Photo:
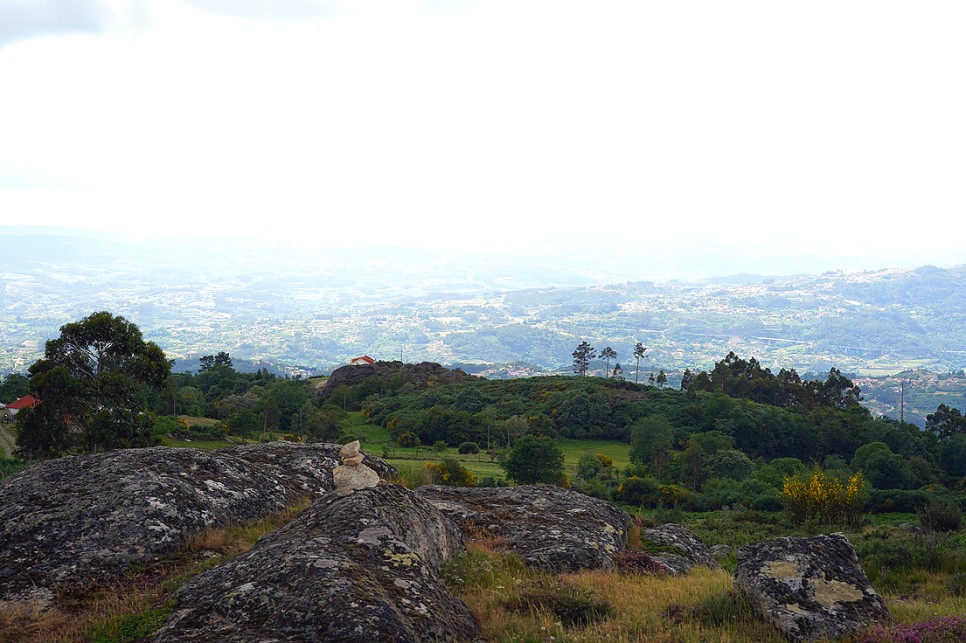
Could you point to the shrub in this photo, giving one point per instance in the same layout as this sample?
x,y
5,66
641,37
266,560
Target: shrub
x,y
570,605
347,438
639,491
467,448
889,500
823,497
672,494
450,472
940,515
408,440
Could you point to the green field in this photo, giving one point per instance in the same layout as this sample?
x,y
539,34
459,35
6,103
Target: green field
x,y
376,441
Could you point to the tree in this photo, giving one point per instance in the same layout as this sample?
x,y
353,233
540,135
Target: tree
x,y
90,386
639,350
946,422
582,356
651,441
881,467
661,379
618,373
209,362
14,387
607,355
534,459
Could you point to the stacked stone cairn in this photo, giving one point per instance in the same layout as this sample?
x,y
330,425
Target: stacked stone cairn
x,y
353,474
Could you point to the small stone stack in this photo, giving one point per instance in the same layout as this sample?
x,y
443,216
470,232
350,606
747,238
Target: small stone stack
x,y
353,474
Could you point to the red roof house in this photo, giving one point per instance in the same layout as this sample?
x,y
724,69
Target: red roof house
x,y
365,359
26,402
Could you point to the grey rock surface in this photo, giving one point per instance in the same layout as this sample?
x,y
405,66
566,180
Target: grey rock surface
x,y
548,527
693,551
809,588
79,520
305,466
721,551
358,567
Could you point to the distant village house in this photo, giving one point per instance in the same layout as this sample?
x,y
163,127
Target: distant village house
x,y
359,361
26,402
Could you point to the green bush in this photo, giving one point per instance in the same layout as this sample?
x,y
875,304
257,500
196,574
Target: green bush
x,y
639,492
467,448
940,515
896,500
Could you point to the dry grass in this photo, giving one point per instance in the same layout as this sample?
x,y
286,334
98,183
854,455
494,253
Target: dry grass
x,y
701,606
140,602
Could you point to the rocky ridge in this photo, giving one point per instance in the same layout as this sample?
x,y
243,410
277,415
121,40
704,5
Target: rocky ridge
x,y
79,520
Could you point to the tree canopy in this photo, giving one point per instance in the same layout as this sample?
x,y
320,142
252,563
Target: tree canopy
x,y
90,385
533,459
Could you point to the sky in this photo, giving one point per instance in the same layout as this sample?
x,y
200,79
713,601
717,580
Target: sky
x,y
748,131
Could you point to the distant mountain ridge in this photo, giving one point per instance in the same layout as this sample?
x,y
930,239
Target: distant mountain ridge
x,y
320,312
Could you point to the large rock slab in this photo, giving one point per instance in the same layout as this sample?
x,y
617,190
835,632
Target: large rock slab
x,y
303,466
358,567
809,588
548,527
693,551
85,519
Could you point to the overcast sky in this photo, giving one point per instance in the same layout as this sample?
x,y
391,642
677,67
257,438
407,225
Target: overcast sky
x,y
832,129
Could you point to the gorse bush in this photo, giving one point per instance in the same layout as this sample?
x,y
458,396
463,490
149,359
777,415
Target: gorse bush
x,y
824,497
450,472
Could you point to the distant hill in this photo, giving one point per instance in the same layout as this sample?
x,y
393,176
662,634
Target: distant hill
x,y
488,314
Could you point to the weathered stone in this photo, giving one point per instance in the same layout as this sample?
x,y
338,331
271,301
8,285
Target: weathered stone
x,y
85,519
548,527
349,478
350,450
809,588
693,551
720,552
361,567
307,466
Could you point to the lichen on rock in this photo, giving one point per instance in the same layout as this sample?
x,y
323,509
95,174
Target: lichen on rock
x,y
358,567
548,527
809,588
692,550
85,519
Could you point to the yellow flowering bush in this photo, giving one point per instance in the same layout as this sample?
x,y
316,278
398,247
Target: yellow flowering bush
x,y
824,497
450,472
672,494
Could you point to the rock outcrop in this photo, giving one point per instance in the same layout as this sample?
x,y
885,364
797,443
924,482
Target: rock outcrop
x,y
548,527
356,567
85,519
307,467
809,588
693,551
418,376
